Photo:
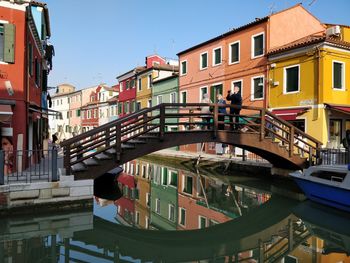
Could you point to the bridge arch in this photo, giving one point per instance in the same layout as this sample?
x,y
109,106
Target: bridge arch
x,y
97,151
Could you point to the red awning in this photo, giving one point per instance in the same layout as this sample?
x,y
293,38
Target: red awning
x,y
289,114
339,108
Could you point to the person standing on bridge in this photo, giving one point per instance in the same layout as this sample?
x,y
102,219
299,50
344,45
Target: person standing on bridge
x,y
222,112
205,110
236,100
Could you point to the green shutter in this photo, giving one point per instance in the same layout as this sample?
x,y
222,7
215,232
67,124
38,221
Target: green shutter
x,y
9,43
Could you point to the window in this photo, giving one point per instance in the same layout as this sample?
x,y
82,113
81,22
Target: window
x,y
137,218
138,106
132,106
202,222
173,97
203,90
67,114
204,60
121,87
258,45
338,75
37,73
183,96
159,99
127,85
234,52
173,178
132,83
139,84
126,107
182,219
188,183
164,176
257,88
30,59
148,199
149,82
239,84
149,103
217,56
171,213
120,108
157,209
291,79
7,43
184,67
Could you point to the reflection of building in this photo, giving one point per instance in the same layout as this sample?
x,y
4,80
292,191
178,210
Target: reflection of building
x,y
164,198
142,172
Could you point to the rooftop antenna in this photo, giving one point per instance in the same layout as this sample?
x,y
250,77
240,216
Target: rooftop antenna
x,y
272,7
312,2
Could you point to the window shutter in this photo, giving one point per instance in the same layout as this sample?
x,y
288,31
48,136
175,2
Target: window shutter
x,y
9,43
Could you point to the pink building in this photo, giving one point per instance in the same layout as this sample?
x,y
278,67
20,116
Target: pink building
x,y
238,58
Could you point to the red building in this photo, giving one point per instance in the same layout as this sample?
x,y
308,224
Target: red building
x,y
89,112
24,68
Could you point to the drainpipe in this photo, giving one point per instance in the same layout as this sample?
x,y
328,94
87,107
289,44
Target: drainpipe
x,y
26,77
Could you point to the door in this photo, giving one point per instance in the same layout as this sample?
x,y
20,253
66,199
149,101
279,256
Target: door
x,y
335,134
214,91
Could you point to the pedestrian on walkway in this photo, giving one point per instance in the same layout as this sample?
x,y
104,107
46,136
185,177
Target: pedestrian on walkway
x,y
222,112
236,100
205,110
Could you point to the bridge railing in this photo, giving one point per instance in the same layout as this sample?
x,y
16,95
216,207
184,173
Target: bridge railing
x,y
180,117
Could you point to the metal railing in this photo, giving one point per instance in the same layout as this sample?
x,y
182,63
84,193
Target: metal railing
x,y
27,166
334,156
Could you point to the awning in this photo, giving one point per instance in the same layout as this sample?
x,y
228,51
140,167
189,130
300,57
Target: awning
x,y
290,114
5,113
340,108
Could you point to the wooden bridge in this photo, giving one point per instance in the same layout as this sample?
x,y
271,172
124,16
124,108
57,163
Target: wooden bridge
x,y
97,151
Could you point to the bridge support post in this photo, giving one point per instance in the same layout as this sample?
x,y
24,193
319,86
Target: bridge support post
x,y
261,251
291,141
145,122
2,167
66,159
262,127
118,141
54,173
107,133
215,121
290,235
161,121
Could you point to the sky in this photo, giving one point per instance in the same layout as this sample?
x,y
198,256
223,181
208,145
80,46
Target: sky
x,y
95,41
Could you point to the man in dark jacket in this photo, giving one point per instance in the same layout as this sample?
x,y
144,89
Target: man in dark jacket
x,y
236,99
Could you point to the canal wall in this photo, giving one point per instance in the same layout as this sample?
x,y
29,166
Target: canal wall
x,y
21,198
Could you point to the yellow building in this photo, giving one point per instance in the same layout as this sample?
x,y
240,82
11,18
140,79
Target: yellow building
x,y
145,82
309,82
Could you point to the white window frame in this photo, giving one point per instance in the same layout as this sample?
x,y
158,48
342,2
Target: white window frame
x,y
343,75
181,100
230,52
149,103
253,45
201,60
157,206
148,81
148,197
180,216
213,57
201,93
285,79
159,98
199,222
173,95
169,209
252,88
139,84
237,80
181,67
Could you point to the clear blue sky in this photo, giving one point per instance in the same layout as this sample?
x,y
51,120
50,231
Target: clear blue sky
x,y
97,40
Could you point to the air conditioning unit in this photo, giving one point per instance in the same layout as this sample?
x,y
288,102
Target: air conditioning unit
x,y
333,31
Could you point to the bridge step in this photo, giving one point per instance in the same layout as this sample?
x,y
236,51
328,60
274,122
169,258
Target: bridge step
x,y
134,141
78,167
90,162
102,156
111,151
128,146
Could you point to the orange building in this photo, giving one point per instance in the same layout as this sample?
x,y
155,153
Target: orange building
x,y
238,57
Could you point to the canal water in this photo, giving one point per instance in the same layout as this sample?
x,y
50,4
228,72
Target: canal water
x,y
167,214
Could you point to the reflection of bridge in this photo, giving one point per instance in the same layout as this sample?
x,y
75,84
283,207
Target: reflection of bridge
x,y
166,125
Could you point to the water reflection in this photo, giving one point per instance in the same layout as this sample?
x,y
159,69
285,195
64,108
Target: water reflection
x,y
247,225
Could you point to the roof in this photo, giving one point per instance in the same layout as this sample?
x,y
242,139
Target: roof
x,y
165,67
167,78
309,40
46,14
255,22
135,70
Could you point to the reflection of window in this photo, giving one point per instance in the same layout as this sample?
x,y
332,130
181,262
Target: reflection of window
x,y
137,218
188,183
300,124
148,199
335,133
173,97
171,215
164,176
183,96
182,219
202,222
